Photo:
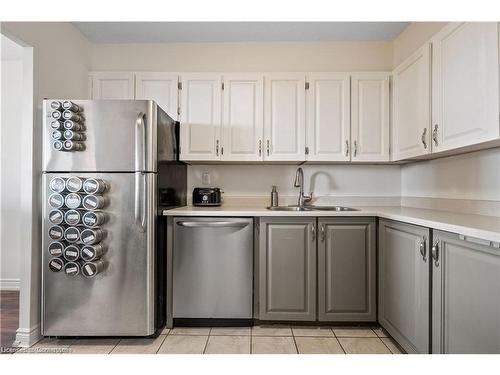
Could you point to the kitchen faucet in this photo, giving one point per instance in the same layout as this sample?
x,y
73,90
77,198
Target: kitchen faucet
x,y
299,182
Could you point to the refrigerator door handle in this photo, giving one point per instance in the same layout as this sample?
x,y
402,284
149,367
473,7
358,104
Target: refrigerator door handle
x,y
140,200
140,144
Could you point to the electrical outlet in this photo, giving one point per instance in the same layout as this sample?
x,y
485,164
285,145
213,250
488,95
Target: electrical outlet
x,y
205,178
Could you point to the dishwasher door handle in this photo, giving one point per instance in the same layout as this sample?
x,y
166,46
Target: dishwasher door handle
x,y
213,224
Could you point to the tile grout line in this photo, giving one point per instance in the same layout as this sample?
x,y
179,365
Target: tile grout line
x,y
161,344
380,338
294,341
337,338
206,342
114,347
251,340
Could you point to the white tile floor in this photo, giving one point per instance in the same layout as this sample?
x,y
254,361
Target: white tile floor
x,y
272,339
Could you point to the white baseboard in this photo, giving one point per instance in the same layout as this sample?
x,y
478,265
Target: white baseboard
x,y
9,284
27,337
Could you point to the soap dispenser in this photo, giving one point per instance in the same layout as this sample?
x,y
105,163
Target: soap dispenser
x,y
274,197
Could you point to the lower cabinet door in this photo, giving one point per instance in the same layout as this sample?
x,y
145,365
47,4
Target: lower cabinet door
x,y
346,269
287,269
465,295
404,275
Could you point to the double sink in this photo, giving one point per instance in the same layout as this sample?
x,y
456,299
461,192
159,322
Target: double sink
x,y
311,208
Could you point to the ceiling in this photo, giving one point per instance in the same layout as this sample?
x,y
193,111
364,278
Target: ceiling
x,y
186,32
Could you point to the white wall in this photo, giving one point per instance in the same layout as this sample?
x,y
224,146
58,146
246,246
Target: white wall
x,y
473,176
10,165
413,37
323,180
60,66
335,56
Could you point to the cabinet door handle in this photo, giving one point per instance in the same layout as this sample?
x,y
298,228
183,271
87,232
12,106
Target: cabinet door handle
x,y
268,147
424,138
346,147
435,253
423,249
313,232
217,147
435,134
355,148
322,232
260,147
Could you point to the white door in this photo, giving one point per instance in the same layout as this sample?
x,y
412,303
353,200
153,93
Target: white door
x,y
284,117
370,117
160,87
328,123
243,117
201,97
411,106
112,85
465,85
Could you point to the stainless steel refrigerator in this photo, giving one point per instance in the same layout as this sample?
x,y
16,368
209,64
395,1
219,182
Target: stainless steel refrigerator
x,y
109,168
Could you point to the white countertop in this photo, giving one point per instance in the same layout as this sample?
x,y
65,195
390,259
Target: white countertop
x,y
478,226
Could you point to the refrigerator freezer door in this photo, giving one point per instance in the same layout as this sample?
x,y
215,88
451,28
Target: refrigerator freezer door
x,y
118,136
120,300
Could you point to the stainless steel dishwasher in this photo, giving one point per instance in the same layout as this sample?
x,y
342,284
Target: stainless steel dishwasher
x,y
212,268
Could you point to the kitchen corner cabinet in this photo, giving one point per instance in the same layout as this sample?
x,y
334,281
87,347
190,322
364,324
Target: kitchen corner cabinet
x,y
465,90
328,122
160,87
404,275
411,106
243,117
112,85
370,117
465,295
287,268
284,117
201,110
347,269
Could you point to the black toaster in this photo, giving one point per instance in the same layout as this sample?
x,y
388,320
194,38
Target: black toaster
x,y
207,196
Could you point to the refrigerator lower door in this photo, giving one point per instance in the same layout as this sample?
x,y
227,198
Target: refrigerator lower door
x,y
120,300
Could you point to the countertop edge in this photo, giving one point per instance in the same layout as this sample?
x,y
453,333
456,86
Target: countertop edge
x,y
382,212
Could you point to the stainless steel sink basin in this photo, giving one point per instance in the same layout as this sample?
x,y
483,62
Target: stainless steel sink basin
x,y
311,208
289,208
332,208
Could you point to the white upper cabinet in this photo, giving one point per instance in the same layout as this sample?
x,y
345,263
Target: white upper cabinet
x,y
243,117
201,106
160,87
112,85
465,91
370,117
284,117
328,122
411,106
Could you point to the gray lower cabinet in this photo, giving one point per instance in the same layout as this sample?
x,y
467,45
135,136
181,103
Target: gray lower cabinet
x,y
287,268
404,290
346,269
465,295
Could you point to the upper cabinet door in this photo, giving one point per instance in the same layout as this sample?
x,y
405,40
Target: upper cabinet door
x,y
201,97
243,117
465,85
328,126
160,87
411,106
284,121
112,85
370,117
